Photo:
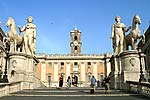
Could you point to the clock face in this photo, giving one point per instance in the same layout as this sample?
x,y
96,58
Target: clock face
x,y
75,43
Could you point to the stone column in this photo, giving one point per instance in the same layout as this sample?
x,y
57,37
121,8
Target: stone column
x,y
83,71
55,72
43,72
95,70
67,70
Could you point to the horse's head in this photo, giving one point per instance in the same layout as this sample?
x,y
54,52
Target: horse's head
x,y
9,21
136,19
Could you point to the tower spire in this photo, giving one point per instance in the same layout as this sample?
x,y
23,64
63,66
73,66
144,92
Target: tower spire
x,y
75,42
75,27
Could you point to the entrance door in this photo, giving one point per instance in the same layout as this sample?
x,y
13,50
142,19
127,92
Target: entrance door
x,y
49,80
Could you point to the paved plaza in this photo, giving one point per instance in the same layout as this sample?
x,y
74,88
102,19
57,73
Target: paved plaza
x,y
71,94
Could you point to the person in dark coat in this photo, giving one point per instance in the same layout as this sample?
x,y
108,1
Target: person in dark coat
x,y
106,82
76,80
61,81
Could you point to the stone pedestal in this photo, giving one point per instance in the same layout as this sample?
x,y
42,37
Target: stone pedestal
x,y
126,67
116,73
130,64
24,67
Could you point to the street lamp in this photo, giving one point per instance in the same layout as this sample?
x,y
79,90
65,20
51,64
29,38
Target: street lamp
x,y
5,78
1,72
142,78
105,64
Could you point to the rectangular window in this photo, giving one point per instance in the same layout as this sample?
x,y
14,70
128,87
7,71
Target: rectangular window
x,y
49,64
43,62
75,63
101,64
89,63
62,63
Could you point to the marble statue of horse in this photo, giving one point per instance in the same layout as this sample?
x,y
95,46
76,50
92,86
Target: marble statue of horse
x,y
12,34
135,34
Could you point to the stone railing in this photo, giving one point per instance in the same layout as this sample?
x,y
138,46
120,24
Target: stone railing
x,y
142,88
70,55
7,88
37,82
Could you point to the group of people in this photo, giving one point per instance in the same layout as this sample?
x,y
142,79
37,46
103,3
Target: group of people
x,y
69,82
105,83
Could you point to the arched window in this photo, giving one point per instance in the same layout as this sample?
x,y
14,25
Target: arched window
x,y
75,48
75,38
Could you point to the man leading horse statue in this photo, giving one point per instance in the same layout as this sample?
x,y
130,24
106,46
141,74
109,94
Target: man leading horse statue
x,y
121,42
27,42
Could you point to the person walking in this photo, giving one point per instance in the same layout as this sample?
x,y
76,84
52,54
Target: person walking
x,y
93,82
98,83
106,82
68,83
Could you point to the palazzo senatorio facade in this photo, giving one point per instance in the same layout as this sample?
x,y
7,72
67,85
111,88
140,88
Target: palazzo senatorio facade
x,y
84,66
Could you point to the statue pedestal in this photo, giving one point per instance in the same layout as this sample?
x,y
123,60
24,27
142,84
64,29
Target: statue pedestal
x,y
116,73
24,67
126,67
130,64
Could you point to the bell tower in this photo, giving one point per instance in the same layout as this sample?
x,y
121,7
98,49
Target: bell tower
x,y
75,43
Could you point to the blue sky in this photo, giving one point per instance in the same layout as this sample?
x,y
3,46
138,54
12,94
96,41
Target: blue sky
x,y
56,18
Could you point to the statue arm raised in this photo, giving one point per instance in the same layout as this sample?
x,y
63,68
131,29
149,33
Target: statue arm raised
x,y
124,28
21,29
128,28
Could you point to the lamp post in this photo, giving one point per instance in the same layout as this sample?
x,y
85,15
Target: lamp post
x,y
5,78
105,64
142,78
1,72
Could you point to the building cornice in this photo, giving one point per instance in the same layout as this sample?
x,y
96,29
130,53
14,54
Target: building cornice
x,y
71,57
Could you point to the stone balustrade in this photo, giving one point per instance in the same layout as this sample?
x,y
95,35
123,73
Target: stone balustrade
x,y
142,88
7,88
70,55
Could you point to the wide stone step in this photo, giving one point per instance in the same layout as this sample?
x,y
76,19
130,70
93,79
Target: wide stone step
x,y
71,92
